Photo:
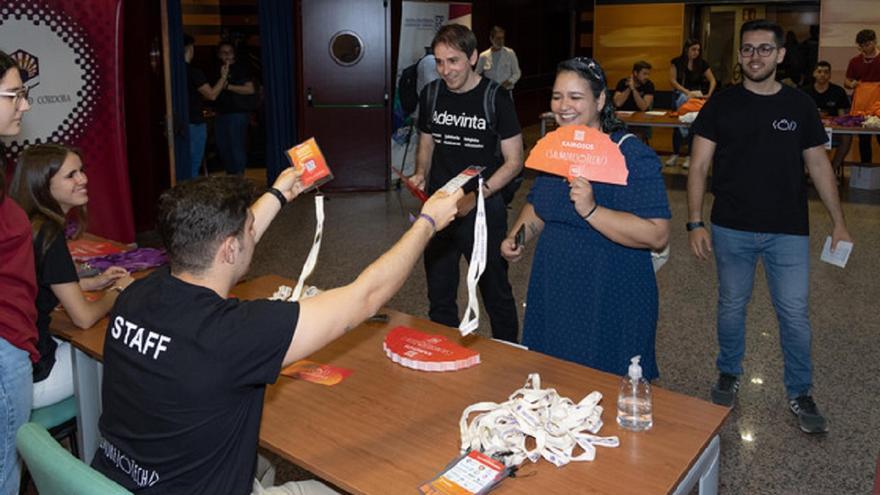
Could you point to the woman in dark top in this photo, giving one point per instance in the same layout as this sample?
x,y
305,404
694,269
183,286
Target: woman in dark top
x,y
49,183
690,77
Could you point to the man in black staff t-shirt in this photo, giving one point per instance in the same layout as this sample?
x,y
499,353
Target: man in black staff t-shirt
x,y
455,135
831,101
186,366
759,136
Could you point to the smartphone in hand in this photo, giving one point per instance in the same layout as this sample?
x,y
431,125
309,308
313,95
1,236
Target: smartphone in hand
x,y
520,237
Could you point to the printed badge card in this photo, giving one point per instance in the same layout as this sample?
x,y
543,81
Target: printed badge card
x,y
308,160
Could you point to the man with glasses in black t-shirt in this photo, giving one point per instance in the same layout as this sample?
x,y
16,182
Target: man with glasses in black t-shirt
x,y
758,137
831,100
186,365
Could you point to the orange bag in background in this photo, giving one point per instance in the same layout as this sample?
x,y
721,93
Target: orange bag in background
x,y
866,99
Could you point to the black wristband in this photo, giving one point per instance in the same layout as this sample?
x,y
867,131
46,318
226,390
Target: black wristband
x,y
279,195
694,225
590,214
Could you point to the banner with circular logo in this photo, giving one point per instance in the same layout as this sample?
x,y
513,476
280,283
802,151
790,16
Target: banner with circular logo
x,y
69,55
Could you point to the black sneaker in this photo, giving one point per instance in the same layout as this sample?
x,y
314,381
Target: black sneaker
x,y
809,417
724,392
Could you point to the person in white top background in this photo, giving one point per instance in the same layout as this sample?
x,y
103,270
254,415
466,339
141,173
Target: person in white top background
x,y
499,63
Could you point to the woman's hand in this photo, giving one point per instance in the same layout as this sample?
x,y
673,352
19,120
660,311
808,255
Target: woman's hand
x,y
510,251
104,279
123,282
582,196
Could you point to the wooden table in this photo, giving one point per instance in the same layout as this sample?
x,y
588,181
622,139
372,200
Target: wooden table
x,y
386,429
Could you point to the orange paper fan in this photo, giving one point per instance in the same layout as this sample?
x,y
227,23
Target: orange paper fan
x,y
579,151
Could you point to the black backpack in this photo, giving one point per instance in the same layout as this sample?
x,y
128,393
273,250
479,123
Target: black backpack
x,y
407,88
433,89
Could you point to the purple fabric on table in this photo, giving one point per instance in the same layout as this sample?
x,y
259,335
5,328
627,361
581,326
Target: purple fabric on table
x,y
134,260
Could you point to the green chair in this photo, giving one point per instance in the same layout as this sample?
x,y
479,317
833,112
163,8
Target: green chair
x,y
55,471
60,420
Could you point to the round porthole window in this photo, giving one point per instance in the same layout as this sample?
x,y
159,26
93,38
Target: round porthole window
x,y
346,48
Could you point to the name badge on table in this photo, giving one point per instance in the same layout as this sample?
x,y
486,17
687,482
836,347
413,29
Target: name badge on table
x,y
474,473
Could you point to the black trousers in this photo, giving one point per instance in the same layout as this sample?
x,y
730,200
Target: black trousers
x,y
442,258
865,147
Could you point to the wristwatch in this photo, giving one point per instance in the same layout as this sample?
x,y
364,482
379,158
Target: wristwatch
x,y
694,225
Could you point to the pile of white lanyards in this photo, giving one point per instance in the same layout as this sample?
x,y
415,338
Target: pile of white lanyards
x,y
556,424
285,293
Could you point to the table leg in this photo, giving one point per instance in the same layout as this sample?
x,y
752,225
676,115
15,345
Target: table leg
x,y
705,470
87,374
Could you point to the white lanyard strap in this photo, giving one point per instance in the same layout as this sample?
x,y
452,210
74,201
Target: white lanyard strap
x,y
471,319
309,265
556,424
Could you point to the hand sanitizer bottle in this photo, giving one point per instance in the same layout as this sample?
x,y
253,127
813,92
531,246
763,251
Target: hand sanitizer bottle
x,y
634,410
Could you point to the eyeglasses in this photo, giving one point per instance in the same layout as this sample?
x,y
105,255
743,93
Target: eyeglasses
x,y
763,50
17,96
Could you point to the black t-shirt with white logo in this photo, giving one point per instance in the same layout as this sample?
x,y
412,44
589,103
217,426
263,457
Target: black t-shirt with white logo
x,y
830,102
758,168
462,133
630,104
184,377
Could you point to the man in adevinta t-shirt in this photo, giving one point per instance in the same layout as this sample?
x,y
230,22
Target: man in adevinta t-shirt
x,y
759,136
186,365
455,132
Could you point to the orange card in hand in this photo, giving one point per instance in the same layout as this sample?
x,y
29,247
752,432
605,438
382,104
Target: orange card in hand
x,y
579,151
308,160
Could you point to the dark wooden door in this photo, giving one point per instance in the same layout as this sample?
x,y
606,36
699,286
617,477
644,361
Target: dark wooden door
x,y
345,74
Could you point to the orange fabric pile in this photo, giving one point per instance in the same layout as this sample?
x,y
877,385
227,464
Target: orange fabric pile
x,y
866,99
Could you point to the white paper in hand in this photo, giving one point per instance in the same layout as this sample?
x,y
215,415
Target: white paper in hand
x,y
839,256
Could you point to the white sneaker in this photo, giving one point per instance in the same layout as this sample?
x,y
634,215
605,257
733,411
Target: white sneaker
x,y
687,163
670,162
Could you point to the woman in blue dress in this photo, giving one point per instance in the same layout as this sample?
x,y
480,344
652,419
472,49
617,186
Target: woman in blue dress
x,y
592,295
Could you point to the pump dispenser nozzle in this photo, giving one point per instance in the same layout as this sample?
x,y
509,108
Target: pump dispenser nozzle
x,y
635,370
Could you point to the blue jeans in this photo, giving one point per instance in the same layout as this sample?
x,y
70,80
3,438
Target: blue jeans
x,y
16,395
198,134
787,267
679,135
230,134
